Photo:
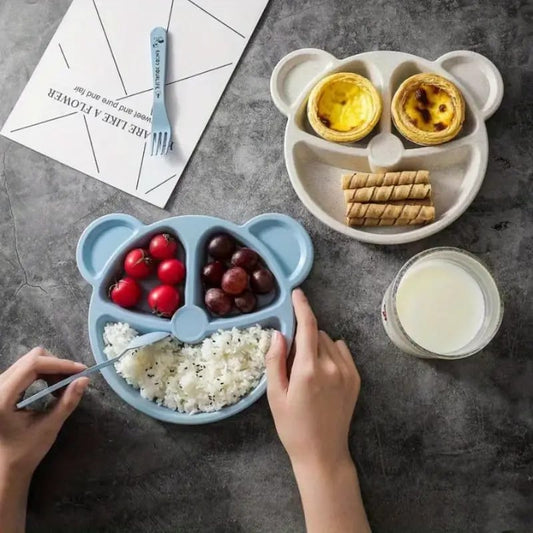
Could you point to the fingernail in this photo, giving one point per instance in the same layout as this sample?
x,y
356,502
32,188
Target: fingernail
x,y
300,293
81,385
274,338
80,365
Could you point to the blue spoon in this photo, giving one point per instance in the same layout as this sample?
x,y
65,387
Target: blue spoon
x,y
136,343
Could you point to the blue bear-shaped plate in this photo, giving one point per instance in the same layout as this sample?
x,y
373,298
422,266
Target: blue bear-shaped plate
x,y
282,243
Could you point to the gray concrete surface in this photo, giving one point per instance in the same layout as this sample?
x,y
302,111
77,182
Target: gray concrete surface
x,y
440,447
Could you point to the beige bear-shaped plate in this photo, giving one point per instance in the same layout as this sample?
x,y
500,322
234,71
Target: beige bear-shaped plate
x,y
315,166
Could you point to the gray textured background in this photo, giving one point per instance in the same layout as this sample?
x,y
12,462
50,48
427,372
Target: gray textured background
x,y
440,447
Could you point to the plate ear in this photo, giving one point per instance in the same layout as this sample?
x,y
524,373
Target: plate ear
x,y
287,241
478,75
294,72
100,240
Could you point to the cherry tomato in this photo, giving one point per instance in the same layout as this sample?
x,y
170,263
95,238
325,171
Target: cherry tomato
x,y
138,264
164,300
171,271
125,292
163,246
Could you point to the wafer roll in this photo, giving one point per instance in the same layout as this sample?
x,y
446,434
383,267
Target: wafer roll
x,y
358,180
425,201
409,212
372,222
387,193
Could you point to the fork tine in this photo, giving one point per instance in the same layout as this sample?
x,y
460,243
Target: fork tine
x,y
154,135
160,143
158,146
162,147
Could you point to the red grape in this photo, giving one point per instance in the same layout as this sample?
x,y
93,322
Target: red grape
x,y
213,272
218,302
262,281
221,246
234,280
246,302
245,258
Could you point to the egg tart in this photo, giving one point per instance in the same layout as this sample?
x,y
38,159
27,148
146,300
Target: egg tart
x,y
428,109
344,107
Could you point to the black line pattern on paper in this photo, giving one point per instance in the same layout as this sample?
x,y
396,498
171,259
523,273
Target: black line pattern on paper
x,y
200,73
216,18
110,49
63,54
140,169
44,121
159,185
170,15
91,143
176,81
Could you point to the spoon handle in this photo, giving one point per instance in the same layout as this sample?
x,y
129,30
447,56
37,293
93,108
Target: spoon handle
x,y
66,381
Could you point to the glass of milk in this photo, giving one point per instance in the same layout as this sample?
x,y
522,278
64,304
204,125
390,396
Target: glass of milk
x,y
443,304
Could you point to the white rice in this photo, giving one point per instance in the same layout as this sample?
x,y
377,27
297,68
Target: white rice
x,y
192,378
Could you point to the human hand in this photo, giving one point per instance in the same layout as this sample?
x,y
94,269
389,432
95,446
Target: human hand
x,y
312,405
312,409
25,435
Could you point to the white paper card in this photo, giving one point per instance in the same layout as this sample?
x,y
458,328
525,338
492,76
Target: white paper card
x,y
89,100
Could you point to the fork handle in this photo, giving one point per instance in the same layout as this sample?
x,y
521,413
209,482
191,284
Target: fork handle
x,y
64,382
158,39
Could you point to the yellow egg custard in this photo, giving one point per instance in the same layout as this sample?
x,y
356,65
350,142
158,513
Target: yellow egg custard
x,y
428,109
344,107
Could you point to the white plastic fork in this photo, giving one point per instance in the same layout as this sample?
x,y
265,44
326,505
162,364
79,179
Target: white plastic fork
x,y
161,130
